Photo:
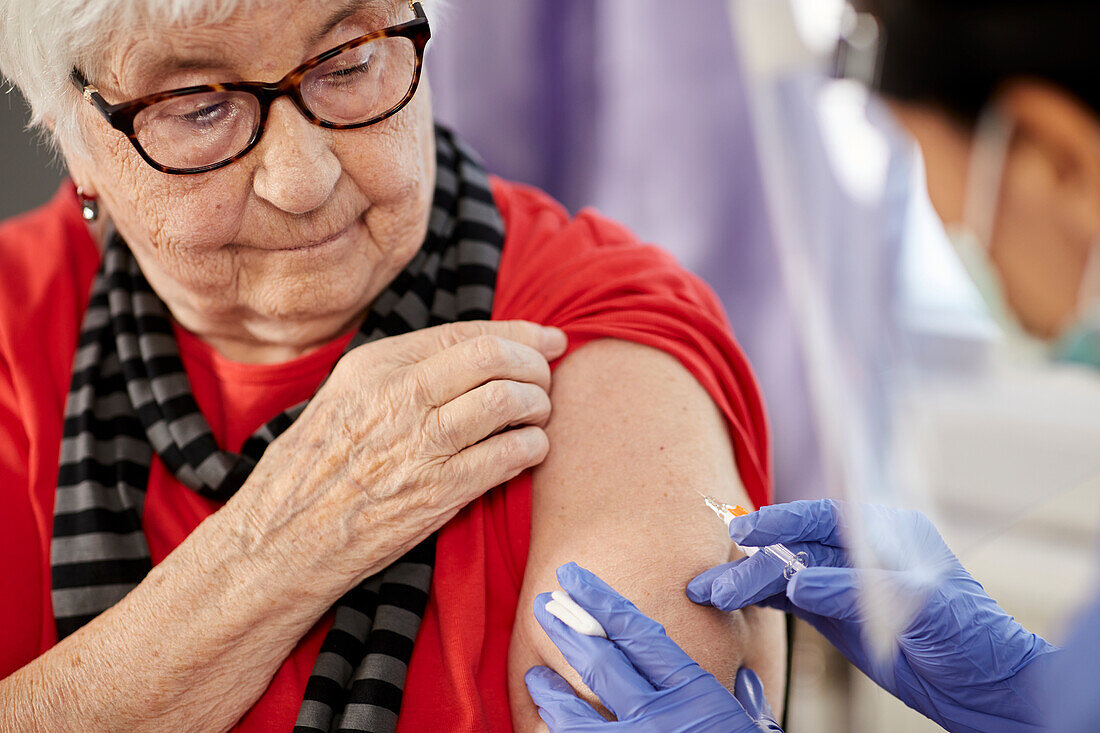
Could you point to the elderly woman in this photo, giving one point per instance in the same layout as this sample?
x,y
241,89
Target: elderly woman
x,y
263,360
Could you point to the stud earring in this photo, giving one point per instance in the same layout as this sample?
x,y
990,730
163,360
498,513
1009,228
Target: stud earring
x,y
89,205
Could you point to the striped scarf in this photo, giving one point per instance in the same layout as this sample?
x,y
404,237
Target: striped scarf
x,y
130,398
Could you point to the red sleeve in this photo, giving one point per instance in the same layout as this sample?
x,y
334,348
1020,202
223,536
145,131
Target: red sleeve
x,y
20,580
592,278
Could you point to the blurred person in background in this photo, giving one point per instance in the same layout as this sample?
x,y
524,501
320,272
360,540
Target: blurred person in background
x,y
253,401
1002,100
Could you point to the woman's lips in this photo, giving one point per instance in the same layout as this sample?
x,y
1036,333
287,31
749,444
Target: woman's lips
x,y
322,243
311,246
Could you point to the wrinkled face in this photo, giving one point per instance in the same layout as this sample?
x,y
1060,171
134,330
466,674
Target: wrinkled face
x,y
290,244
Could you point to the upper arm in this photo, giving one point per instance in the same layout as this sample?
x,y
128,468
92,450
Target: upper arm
x,y
633,437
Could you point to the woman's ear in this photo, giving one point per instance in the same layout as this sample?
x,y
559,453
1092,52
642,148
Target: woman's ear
x,y
1062,136
79,172
79,166
1049,211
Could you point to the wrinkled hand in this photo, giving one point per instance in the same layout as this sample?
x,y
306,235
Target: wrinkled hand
x,y
405,432
960,659
638,672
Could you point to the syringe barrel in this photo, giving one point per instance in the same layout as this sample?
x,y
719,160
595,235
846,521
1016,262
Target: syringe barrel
x,y
792,562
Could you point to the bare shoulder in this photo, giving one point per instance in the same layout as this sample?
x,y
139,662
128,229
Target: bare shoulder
x,y
633,437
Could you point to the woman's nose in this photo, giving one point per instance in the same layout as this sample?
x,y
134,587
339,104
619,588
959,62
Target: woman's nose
x,y
298,169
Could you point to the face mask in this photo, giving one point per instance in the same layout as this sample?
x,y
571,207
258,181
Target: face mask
x,y
1080,343
972,238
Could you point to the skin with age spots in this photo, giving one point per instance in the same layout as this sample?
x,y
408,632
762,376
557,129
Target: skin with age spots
x,y
286,248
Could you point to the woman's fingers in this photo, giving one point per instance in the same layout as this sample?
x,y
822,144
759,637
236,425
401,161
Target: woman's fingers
x,y
496,460
452,372
420,345
487,410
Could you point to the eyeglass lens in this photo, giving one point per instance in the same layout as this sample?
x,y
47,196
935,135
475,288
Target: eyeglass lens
x,y
206,128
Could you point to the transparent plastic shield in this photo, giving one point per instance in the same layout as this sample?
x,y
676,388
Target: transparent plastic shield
x,y
916,402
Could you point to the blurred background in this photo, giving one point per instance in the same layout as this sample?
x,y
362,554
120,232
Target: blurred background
x,y
28,172
722,132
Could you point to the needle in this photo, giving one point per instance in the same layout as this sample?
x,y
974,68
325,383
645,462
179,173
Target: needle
x,y
792,562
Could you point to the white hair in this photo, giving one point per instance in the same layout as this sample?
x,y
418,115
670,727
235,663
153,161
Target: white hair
x,y
41,41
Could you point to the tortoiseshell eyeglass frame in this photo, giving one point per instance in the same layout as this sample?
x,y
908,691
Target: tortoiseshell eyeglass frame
x,y
121,116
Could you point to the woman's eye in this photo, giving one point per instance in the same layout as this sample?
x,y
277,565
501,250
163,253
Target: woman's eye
x,y
350,73
208,113
197,112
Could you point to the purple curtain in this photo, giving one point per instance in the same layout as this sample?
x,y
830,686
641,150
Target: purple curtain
x,y
638,110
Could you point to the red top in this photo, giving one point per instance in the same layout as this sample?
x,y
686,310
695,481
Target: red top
x,y
587,275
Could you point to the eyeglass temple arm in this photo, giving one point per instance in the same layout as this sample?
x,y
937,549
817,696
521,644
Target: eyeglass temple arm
x,y
90,93
417,9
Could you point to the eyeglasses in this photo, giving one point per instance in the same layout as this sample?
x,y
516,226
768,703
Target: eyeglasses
x,y
201,128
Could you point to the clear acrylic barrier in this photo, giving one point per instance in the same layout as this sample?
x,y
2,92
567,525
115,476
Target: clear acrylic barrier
x,y
917,402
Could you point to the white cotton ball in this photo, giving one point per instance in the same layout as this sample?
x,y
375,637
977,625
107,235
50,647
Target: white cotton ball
x,y
566,610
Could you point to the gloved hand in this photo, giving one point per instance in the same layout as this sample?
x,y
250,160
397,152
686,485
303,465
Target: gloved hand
x,y
1071,690
640,674
959,659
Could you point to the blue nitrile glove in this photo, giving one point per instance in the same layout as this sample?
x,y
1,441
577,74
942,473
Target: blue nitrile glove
x,y
961,660
640,674
1074,705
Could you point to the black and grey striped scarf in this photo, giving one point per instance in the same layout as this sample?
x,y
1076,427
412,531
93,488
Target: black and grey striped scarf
x,y
130,398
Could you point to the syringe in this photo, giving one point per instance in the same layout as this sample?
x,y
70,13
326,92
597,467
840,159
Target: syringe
x,y
792,561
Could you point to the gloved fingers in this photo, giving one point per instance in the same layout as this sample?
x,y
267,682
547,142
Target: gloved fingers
x,y
754,581
796,521
698,588
900,539
749,691
820,555
559,706
602,666
641,639
843,593
831,592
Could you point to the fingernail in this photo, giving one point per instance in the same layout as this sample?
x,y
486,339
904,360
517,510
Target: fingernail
x,y
553,339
